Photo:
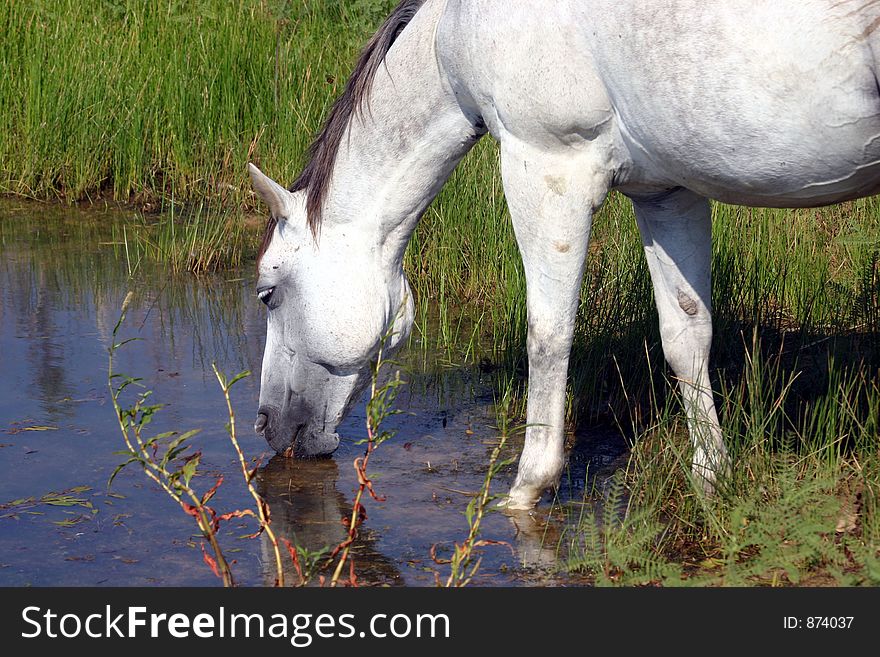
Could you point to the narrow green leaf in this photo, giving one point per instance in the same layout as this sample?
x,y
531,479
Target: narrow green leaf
x,y
118,469
238,377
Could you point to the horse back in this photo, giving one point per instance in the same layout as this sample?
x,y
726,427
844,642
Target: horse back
x,y
743,101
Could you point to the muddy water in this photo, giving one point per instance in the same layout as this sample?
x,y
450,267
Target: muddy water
x,y
63,275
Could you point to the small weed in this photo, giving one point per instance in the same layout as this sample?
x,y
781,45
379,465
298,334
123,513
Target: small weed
x,y
169,460
379,408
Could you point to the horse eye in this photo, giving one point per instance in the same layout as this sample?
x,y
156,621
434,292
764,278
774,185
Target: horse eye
x,y
265,294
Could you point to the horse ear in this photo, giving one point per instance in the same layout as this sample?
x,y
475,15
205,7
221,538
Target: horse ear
x,y
276,197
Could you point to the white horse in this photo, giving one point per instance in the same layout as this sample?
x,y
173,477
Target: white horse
x,y
671,102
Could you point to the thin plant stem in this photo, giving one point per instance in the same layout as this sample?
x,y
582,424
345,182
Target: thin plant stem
x,y
262,506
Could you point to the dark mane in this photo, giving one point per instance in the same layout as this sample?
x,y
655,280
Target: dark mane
x,y
315,177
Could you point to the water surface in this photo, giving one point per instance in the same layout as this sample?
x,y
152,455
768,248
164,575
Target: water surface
x,y
63,275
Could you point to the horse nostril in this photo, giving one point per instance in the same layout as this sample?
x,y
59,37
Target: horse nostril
x,y
261,422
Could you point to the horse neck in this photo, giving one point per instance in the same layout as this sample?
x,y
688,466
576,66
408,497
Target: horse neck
x,y
397,154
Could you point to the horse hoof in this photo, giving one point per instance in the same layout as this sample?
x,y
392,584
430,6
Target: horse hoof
x,y
516,501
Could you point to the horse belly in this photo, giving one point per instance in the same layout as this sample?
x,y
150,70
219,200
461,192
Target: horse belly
x,y
777,105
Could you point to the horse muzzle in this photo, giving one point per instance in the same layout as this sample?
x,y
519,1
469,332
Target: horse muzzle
x,y
298,440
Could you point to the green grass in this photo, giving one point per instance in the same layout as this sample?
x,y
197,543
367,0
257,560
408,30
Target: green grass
x,y
800,513
201,240
165,103
165,98
162,104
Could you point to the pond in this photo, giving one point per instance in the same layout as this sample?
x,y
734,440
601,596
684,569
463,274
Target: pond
x,y
63,275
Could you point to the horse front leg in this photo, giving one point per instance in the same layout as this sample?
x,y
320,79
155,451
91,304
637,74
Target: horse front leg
x,y
552,197
677,235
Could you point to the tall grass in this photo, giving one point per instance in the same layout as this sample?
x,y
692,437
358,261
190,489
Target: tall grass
x,y
136,99
800,508
197,240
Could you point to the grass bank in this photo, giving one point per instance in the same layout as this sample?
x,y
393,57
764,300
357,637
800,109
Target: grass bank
x,y
161,100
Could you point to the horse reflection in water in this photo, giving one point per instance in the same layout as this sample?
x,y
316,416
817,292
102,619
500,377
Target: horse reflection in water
x,y
307,509
308,505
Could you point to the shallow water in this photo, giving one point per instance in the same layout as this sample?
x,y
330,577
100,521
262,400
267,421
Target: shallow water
x,y
63,276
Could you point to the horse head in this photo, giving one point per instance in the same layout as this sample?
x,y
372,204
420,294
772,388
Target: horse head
x,y
329,307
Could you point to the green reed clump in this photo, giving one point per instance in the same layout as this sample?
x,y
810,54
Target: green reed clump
x,y
146,100
197,241
799,508
164,103
170,460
